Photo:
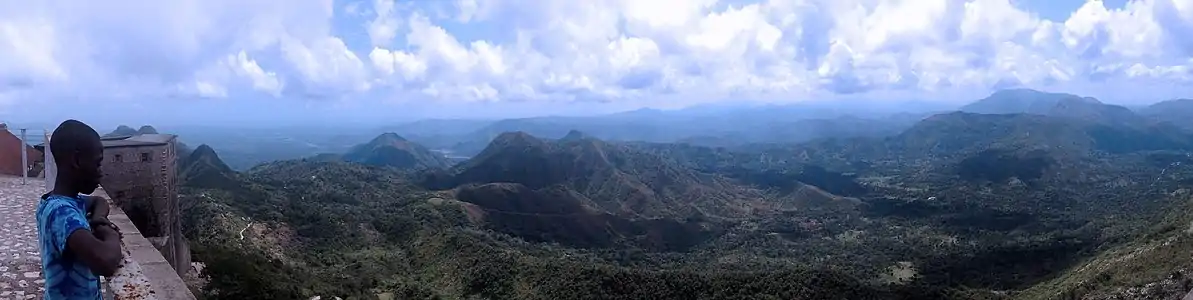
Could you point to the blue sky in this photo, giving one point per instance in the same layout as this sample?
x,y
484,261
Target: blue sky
x,y
377,61
1060,10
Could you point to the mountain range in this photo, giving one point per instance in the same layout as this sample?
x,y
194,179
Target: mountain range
x,y
1020,195
725,128
730,126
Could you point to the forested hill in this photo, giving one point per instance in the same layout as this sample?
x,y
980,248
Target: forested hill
x,y
960,205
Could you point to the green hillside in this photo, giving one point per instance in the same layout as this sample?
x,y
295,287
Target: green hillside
x,y
960,205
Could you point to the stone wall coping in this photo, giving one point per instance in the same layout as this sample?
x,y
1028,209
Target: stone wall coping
x,y
144,273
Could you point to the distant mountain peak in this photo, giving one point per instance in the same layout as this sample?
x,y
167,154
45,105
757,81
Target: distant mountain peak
x,y
388,137
1027,101
204,149
1036,94
574,135
507,143
1018,92
516,138
206,154
391,150
1021,100
204,168
1079,100
122,130
147,130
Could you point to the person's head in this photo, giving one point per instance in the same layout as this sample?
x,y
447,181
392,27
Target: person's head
x,y
78,153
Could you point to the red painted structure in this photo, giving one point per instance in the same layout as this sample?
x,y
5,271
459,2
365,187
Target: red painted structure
x,y
10,153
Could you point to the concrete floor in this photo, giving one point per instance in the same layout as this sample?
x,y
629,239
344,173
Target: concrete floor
x,y
20,259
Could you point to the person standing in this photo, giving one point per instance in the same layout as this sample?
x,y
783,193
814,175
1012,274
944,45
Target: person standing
x,y
78,243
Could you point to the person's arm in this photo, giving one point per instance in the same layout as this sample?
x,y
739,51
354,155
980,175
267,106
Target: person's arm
x,y
98,248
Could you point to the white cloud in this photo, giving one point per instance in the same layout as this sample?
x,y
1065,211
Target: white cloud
x,y
649,52
384,26
325,63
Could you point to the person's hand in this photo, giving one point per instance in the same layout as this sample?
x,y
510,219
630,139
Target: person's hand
x,y
99,207
98,221
103,228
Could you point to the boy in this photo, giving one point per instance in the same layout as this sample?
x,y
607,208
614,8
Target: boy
x,y
78,244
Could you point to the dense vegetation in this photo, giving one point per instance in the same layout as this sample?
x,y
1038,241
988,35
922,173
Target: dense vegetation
x,y
1074,200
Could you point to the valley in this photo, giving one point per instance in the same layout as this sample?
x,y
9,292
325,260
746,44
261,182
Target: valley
x,y
597,150
1020,195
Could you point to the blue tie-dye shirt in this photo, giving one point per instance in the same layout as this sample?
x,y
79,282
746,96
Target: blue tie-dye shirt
x,y
66,276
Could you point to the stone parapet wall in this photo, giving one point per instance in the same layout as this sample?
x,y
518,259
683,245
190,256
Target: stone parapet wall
x,y
145,273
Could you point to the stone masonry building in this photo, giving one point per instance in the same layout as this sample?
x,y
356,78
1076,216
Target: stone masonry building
x,y
140,176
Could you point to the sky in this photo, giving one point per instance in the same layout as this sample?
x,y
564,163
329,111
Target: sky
x,y
324,61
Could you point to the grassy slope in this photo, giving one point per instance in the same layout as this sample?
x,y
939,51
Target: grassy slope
x,y
1156,264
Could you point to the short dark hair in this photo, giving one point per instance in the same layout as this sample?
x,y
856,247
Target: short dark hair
x,y
72,137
